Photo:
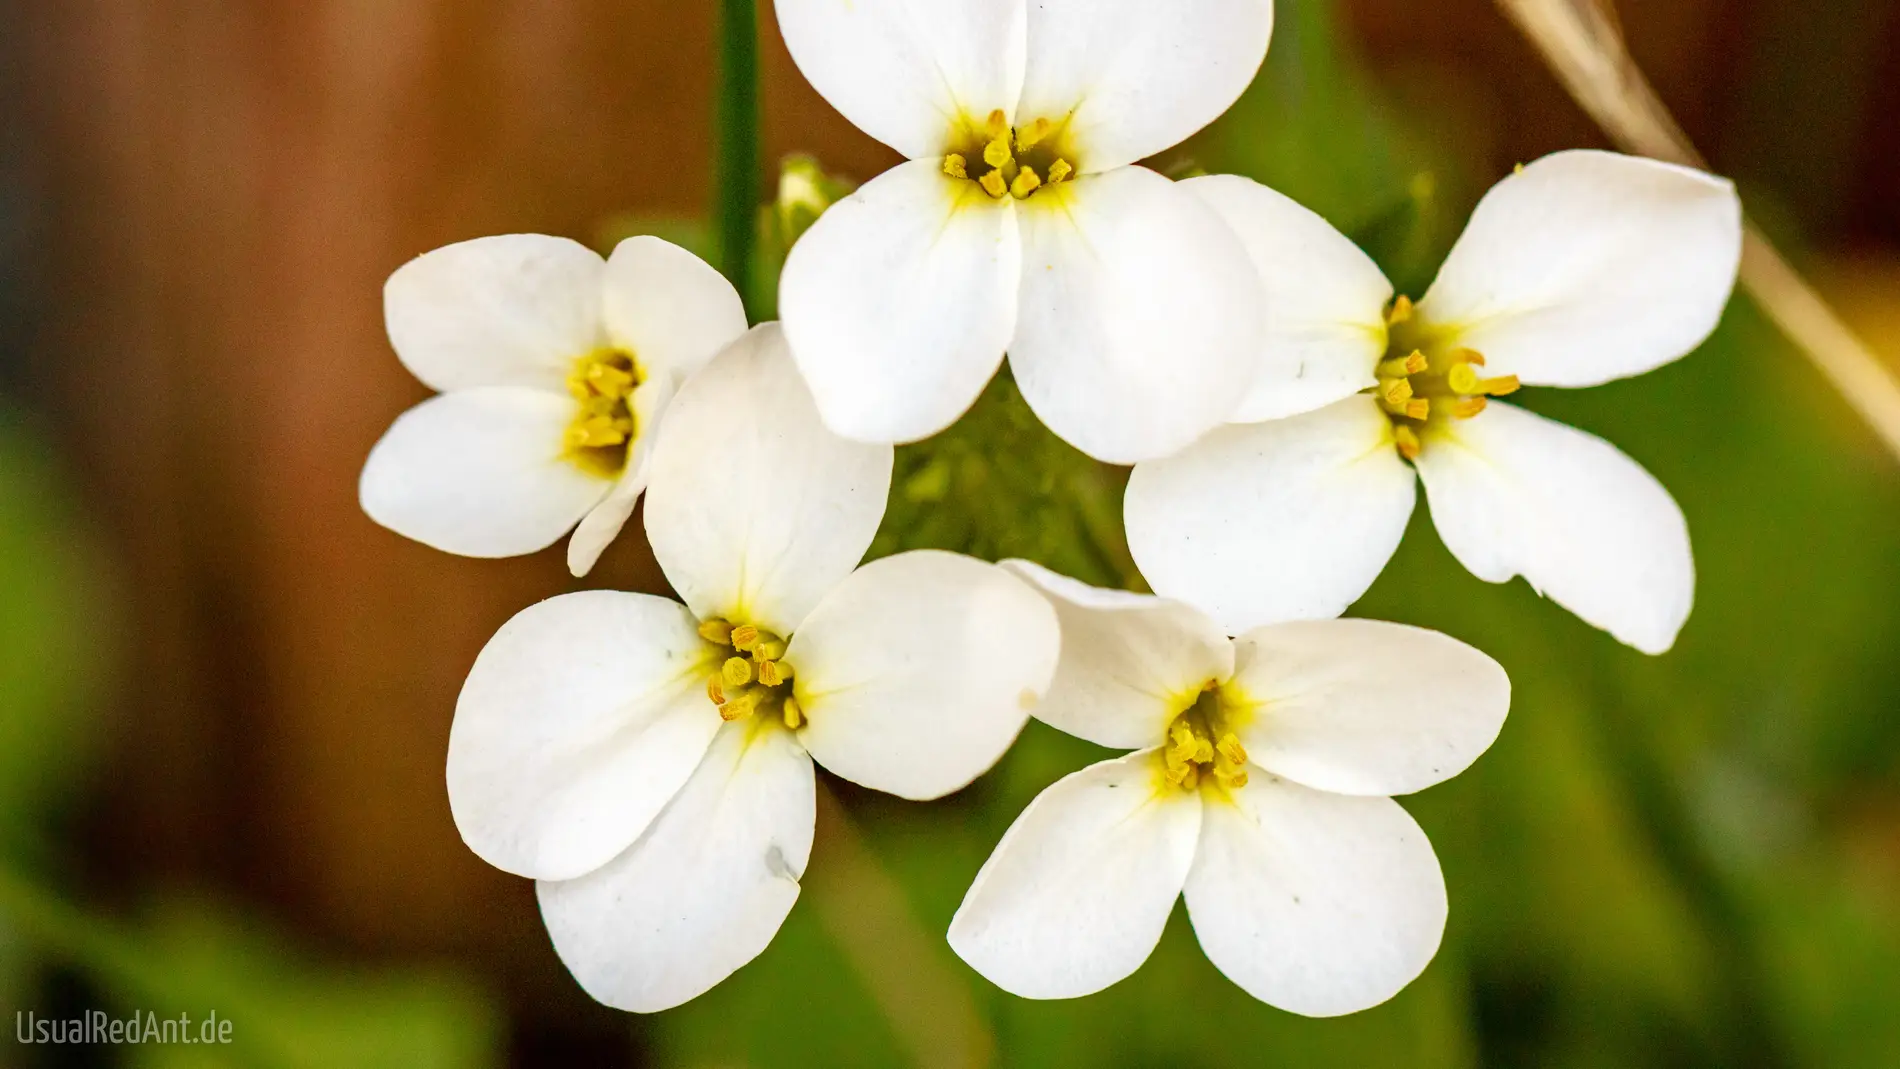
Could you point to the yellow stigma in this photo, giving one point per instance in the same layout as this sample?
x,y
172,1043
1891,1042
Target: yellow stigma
x,y
1201,744
753,676
1422,381
601,433
1005,162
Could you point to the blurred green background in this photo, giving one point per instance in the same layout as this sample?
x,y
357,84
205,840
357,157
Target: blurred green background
x,y
224,694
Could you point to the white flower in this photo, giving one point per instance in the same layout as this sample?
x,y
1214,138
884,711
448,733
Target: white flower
x,y
650,763
554,368
1128,312
1581,268
1260,792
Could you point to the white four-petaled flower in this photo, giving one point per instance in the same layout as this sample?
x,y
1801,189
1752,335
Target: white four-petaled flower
x,y
1581,268
1259,790
650,763
554,369
1128,311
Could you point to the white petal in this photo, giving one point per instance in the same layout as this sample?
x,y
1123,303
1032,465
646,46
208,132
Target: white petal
x,y
1513,493
900,301
1365,707
1139,76
1130,662
480,473
1140,315
918,671
1077,893
754,509
667,307
1325,300
515,310
704,890
907,71
1316,903
581,718
1268,522
1589,266
602,525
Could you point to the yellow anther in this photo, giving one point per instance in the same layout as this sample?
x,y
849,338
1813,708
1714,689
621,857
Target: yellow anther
x,y
741,706
794,715
1029,136
993,184
609,380
1469,356
736,672
1407,440
1500,386
956,166
1026,183
744,637
1232,779
1231,749
773,673
768,649
716,689
1059,171
998,126
1400,312
1395,392
1467,407
997,153
1418,408
1403,366
716,630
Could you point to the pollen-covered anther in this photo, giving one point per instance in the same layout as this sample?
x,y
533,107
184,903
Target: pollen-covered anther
x,y
741,705
1032,135
994,185
956,166
744,637
716,630
1060,171
1026,183
792,713
1395,392
1404,366
774,673
1468,407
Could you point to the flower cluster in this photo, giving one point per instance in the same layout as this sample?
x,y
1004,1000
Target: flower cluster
x,y
650,762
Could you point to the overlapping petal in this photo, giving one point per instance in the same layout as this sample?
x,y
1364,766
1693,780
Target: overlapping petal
x,y
579,721
1316,903
1130,662
511,310
1365,707
918,671
480,472
1139,321
1513,493
906,71
1590,266
704,890
900,301
754,509
1134,77
1324,330
1077,893
667,307
1269,522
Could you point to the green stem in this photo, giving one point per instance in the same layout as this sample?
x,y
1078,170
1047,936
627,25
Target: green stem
x,y
736,168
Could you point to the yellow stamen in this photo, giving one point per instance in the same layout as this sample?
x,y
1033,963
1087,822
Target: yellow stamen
x,y
1059,171
1026,183
1231,749
1029,136
1467,407
997,153
956,166
998,125
1500,386
1407,440
768,649
1403,366
715,630
1469,356
772,673
744,637
741,706
793,714
1395,391
994,185
715,689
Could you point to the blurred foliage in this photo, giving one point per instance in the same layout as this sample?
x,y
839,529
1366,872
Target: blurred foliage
x,y
1686,860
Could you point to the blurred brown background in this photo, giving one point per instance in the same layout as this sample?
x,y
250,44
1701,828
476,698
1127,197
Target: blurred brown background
x,y
223,187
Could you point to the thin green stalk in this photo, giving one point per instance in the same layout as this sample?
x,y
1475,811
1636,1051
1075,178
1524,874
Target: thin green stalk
x,y
736,168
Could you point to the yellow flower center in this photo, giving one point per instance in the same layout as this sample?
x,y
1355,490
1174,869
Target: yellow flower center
x,y
753,678
1201,744
1421,381
1007,162
603,430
